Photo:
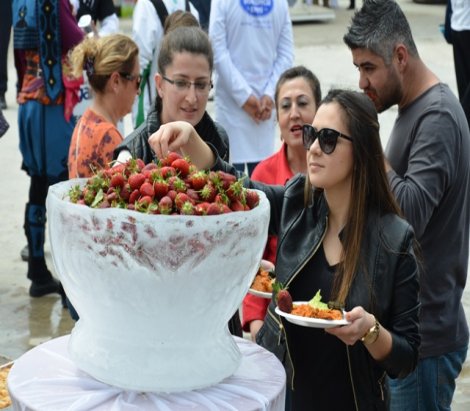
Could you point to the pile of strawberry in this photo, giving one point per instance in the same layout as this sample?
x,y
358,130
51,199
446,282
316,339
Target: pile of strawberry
x,y
171,186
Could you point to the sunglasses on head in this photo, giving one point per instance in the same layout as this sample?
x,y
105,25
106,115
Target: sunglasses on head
x,y
327,137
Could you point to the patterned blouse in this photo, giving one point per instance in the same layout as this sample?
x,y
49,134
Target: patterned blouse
x,y
93,142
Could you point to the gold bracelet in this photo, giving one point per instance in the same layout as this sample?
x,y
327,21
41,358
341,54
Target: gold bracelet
x,y
372,334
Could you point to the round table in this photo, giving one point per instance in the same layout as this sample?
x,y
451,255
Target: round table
x,y
46,379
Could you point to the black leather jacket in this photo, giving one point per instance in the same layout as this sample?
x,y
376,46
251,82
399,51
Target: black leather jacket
x,y
137,142
387,288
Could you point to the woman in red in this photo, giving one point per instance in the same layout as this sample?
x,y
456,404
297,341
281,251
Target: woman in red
x,y
297,97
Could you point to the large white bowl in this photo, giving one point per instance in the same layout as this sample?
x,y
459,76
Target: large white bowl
x,y
154,293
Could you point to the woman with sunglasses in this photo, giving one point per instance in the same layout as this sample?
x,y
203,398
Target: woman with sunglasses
x,y
112,66
183,81
296,98
340,232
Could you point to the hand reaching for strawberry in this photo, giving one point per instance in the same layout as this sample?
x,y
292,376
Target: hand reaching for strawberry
x,y
181,136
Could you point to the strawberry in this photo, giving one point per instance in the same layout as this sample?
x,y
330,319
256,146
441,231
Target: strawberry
x,y
167,171
192,194
161,188
198,180
226,179
187,208
208,193
252,198
172,156
182,166
134,196
150,167
117,180
165,205
214,209
236,192
177,184
283,297
180,199
201,208
146,189
236,205
136,180
125,192
140,164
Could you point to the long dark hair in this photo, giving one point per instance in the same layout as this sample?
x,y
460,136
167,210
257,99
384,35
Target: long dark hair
x,y
370,189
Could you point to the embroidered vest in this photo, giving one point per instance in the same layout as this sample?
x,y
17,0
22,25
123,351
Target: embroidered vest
x,y
36,27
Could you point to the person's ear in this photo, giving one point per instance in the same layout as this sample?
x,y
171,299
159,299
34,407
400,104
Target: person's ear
x,y
401,56
158,84
114,80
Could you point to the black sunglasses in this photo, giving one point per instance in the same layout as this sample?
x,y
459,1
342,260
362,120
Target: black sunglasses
x,y
131,77
327,137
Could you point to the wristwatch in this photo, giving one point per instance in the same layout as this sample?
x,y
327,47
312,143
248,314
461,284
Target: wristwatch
x,y
372,334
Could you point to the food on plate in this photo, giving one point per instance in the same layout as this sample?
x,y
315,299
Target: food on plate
x,y
306,310
263,281
173,185
315,308
4,396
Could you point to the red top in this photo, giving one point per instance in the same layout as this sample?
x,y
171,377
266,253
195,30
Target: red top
x,y
93,142
272,170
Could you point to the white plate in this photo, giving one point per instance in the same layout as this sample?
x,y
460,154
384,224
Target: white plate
x,y
308,321
262,294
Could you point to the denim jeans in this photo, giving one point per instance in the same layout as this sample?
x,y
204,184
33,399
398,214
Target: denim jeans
x,y
430,387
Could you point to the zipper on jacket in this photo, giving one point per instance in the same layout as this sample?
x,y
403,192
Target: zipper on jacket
x,y
381,386
282,330
352,380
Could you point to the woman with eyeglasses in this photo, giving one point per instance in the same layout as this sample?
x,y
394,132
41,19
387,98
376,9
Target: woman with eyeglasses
x,y
112,66
183,82
340,232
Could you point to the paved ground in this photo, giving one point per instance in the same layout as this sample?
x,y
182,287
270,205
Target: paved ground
x,y
26,322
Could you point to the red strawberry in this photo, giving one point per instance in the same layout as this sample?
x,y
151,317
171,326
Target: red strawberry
x,y
252,198
208,193
198,180
140,164
161,188
180,199
136,180
177,184
187,208
214,208
201,208
236,205
146,189
172,156
149,167
226,179
283,297
236,191
182,166
192,194
167,171
172,194
165,205
134,196
117,180
125,192
144,201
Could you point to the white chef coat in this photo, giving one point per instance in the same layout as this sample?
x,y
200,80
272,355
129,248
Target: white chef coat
x,y
147,32
253,45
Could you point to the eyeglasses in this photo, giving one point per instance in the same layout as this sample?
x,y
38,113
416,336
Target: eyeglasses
x,y
327,138
201,87
132,77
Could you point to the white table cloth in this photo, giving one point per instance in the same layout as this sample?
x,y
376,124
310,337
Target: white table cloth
x,y
46,379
